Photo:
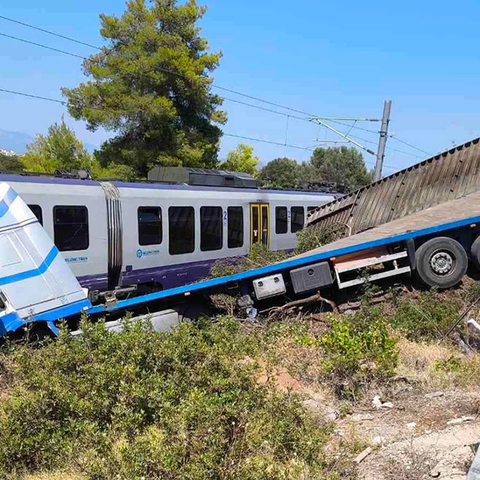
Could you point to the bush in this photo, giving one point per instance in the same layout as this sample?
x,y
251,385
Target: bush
x,y
259,256
142,404
313,237
359,350
427,319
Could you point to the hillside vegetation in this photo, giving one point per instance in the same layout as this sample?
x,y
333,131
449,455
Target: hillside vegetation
x,y
221,399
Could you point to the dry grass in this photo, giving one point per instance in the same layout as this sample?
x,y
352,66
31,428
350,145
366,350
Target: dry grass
x,y
54,476
422,362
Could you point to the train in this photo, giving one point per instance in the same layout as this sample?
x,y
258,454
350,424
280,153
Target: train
x,y
146,236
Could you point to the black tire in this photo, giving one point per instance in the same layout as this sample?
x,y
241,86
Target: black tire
x,y
475,253
441,262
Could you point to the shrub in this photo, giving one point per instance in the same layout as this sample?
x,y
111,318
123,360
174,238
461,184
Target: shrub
x,y
426,319
314,237
143,404
259,256
358,350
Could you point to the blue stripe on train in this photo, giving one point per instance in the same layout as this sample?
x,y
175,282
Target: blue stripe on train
x,y
8,199
35,272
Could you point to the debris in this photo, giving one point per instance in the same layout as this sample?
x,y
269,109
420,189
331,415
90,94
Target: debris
x,y
473,334
434,395
377,403
378,440
360,458
458,421
411,425
436,472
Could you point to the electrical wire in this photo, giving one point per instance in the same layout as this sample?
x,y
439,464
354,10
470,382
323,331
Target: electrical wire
x,y
49,32
42,46
227,134
252,97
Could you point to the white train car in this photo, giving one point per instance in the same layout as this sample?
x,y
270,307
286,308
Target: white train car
x,y
158,236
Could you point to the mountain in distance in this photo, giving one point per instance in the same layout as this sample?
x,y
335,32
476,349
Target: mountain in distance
x,y
15,141
18,141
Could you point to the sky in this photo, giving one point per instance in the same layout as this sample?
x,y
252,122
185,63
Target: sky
x,y
334,58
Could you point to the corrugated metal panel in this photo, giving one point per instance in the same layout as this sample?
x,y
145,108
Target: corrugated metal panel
x,y
447,176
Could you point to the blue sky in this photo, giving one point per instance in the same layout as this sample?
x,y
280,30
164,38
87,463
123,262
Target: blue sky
x,y
330,58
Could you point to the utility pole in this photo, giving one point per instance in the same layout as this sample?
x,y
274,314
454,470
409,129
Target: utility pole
x,y
383,140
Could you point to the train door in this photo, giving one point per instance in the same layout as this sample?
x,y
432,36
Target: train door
x,y
259,223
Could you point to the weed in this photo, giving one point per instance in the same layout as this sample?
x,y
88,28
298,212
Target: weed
x,y
259,256
426,319
358,350
314,237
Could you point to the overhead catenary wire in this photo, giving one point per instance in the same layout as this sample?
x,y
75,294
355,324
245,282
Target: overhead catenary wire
x,y
42,46
252,97
227,134
49,32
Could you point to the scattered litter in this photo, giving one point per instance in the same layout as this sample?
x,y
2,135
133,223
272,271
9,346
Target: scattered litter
x,y
377,403
411,425
363,455
378,440
458,421
434,395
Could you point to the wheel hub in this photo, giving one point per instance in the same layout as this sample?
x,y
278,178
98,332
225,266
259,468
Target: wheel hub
x,y
441,263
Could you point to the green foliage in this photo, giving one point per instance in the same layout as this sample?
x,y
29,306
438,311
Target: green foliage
x,y
59,149
10,163
450,364
142,404
280,173
314,237
151,86
241,160
358,350
342,165
259,256
428,318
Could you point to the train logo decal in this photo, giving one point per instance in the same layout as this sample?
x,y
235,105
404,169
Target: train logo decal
x,y
147,253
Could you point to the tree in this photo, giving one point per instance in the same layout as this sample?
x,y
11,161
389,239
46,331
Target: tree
x,y
241,160
151,87
280,173
341,165
59,149
10,163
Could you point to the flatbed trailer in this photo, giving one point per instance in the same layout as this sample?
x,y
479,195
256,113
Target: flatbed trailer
x,y
437,242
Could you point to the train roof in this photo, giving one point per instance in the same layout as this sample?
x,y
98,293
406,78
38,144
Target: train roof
x,y
58,180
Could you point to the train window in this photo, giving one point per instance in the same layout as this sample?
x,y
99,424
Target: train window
x,y
211,228
70,228
235,227
37,211
298,218
149,225
309,209
280,220
181,230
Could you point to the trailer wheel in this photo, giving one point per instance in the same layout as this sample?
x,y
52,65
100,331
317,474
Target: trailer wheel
x,y
475,253
441,262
